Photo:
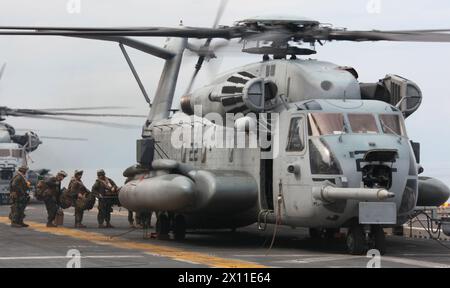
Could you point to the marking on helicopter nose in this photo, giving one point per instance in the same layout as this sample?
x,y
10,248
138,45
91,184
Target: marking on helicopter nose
x,y
176,254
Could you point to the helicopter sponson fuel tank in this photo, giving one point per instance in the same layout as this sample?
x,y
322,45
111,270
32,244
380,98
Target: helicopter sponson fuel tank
x,y
177,187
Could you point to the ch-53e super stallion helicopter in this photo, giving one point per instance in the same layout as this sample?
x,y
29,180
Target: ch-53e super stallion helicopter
x,y
335,155
15,147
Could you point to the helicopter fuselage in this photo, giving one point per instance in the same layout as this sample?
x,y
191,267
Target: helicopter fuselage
x,y
356,148
288,180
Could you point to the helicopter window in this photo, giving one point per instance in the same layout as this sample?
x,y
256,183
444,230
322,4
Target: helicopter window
x,y
5,153
322,160
392,124
295,139
363,123
325,124
17,153
6,174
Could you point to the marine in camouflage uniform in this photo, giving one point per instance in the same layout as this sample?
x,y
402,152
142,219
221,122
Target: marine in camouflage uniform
x,y
52,196
79,193
143,218
19,187
131,219
106,191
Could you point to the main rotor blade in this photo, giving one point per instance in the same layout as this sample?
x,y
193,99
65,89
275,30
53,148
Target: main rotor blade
x,y
278,33
63,138
406,36
55,113
220,11
102,123
201,58
183,32
86,108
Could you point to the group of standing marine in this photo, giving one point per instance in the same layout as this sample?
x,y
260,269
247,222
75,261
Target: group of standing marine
x,y
77,195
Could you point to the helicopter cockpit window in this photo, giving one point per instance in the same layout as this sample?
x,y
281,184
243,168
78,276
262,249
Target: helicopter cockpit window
x,y
325,124
5,153
295,141
322,160
363,123
17,153
392,124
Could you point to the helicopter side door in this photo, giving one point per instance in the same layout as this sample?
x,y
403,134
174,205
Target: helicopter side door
x,y
292,167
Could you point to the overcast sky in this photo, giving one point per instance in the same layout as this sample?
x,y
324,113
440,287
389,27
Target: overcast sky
x,y
47,72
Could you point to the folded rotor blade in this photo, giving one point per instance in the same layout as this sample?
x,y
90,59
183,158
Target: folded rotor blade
x,y
102,123
85,108
63,138
55,113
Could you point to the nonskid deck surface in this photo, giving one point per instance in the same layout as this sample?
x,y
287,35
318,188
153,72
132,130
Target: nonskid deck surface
x,y
39,246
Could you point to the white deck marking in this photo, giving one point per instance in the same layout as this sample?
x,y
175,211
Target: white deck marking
x,y
413,262
320,259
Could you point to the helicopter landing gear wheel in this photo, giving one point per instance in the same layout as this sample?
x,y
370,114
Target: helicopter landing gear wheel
x,y
179,228
378,239
162,226
356,240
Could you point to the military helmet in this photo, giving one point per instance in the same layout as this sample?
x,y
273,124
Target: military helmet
x,y
101,172
23,168
62,173
78,172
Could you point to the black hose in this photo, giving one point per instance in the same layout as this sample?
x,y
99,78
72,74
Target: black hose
x,y
429,228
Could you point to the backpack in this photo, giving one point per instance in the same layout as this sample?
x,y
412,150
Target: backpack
x,y
41,187
89,201
65,199
86,203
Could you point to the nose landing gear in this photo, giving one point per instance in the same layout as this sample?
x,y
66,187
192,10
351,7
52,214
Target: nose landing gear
x,y
361,238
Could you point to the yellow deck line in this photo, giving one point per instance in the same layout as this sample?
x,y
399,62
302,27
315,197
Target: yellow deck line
x,y
157,250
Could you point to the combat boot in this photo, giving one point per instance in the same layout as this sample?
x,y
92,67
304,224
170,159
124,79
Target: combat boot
x,y
24,225
50,224
101,226
15,225
81,226
108,225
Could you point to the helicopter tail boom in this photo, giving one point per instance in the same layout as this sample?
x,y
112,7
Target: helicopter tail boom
x,y
162,102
